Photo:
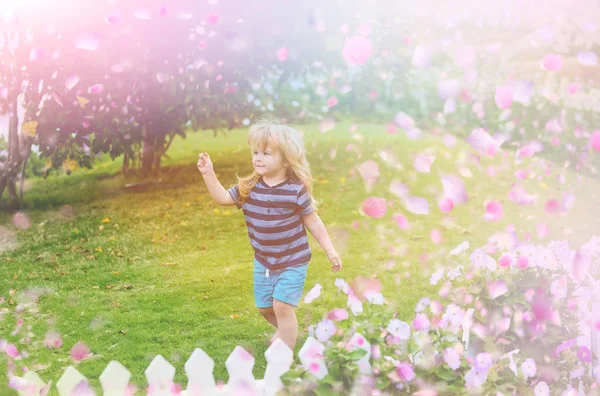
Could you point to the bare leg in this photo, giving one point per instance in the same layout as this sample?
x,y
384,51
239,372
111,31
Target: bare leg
x,y
269,315
288,324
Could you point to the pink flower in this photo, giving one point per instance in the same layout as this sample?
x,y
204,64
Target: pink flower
x,y
357,50
405,371
421,322
325,330
528,368
452,358
584,354
483,361
332,101
374,207
505,261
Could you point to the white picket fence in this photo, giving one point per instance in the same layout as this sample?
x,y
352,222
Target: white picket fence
x,y
199,370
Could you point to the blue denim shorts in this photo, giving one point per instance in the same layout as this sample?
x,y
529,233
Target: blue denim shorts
x,y
285,285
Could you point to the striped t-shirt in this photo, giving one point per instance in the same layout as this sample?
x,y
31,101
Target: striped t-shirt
x,y
274,219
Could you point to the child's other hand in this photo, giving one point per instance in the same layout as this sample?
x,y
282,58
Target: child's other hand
x,y
205,165
336,261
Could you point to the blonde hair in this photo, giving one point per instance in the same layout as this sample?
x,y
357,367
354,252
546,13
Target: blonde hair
x,y
290,143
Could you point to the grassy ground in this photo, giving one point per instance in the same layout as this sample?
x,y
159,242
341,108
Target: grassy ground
x,y
165,270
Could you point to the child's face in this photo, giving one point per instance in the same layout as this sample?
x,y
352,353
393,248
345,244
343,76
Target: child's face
x,y
268,160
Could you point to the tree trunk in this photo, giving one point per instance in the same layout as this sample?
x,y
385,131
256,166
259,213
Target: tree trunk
x,y
147,151
10,170
126,164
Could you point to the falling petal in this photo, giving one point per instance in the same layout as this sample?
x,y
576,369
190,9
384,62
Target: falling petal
x,y
369,171
21,221
552,62
423,163
357,50
493,211
454,189
417,205
595,141
497,288
327,124
504,97
587,58
282,54
421,57
399,189
448,89
401,221
96,88
404,121
481,141
89,42
374,207
212,18
313,294
142,13
20,384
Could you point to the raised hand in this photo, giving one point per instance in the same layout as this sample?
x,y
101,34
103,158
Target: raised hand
x,y
204,164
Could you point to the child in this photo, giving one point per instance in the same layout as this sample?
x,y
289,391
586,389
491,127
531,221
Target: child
x,y
277,202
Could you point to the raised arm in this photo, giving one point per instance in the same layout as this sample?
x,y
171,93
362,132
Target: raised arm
x,y
215,188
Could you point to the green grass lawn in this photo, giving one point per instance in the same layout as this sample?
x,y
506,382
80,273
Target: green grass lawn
x,y
134,274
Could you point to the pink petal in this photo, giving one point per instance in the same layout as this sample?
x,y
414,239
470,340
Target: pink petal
x,y
374,207
357,50
369,171
71,81
504,97
96,88
212,18
11,350
446,205
448,89
332,101
417,205
282,54
436,236
80,351
497,289
587,58
399,189
552,62
142,13
595,141
493,211
423,163
89,42
404,121
20,384
481,141
401,221
454,189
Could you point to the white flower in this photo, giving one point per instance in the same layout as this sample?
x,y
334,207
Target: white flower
x,y
354,303
455,272
399,329
541,389
528,368
559,287
325,330
437,275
